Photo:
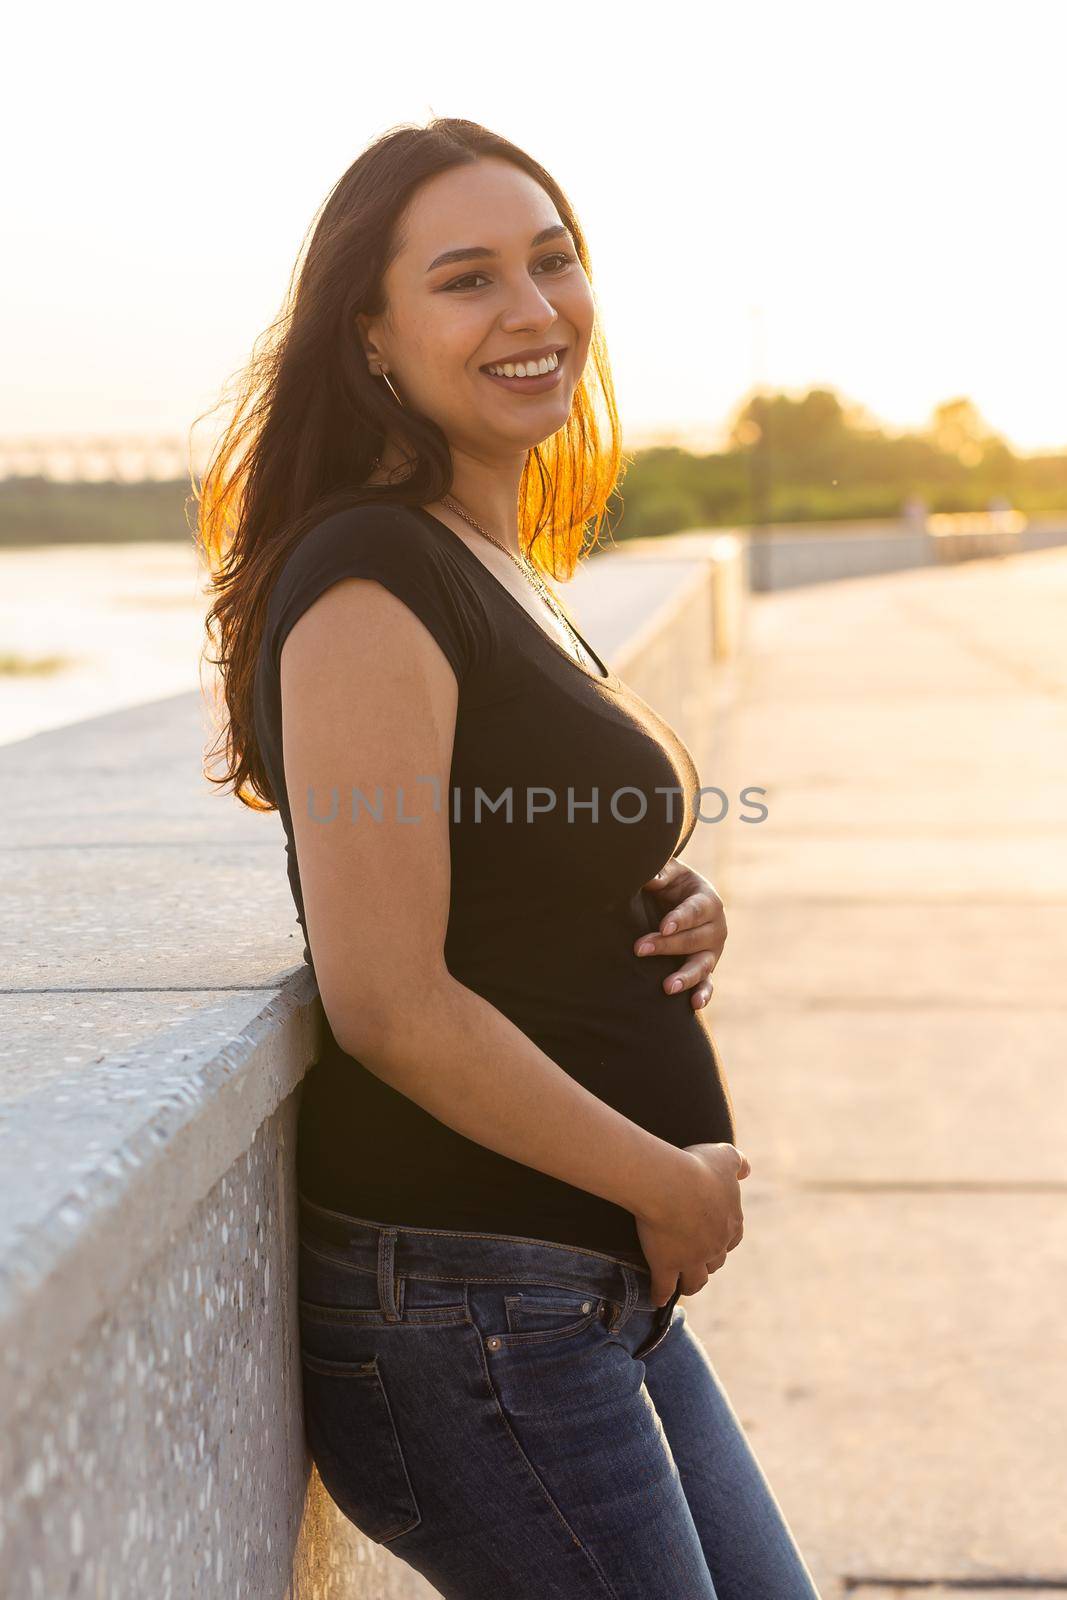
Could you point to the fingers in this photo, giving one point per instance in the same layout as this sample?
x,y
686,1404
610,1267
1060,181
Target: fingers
x,y
662,1289
702,994
703,935
693,1279
669,870
696,924
703,943
694,975
702,906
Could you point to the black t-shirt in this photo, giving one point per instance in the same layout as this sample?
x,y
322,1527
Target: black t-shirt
x,y
546,906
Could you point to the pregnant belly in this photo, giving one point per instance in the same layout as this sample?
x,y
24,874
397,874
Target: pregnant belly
x,y
601,1013
648,1054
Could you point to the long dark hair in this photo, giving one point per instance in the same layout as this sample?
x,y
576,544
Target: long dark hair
x,y
310,421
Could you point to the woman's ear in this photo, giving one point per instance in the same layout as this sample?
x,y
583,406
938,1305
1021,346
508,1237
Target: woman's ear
x,y
364,333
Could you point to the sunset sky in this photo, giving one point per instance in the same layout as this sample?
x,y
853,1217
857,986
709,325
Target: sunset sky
x,y
865,196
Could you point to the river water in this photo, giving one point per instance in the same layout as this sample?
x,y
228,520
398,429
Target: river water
x,y
123,624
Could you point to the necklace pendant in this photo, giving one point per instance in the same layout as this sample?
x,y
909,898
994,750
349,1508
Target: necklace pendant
x,y
528,570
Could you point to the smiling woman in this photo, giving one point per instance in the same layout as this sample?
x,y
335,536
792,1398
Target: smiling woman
x,y
438,332
515,1152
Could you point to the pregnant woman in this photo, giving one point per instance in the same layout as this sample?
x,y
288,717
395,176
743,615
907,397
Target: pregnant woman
x,y
516,1148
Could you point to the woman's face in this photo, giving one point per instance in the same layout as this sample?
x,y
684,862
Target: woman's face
x,y
447,320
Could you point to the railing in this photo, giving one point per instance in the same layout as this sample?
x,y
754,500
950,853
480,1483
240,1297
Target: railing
x,y
965,536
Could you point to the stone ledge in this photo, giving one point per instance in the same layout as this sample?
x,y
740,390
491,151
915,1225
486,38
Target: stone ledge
x,y
161,1024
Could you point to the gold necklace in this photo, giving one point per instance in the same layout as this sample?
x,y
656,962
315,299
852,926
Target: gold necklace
x,y
526,567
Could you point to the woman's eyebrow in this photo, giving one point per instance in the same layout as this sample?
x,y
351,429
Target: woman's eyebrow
x,y
472,251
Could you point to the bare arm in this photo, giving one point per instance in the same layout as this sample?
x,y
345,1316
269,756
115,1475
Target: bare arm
x,y
369,700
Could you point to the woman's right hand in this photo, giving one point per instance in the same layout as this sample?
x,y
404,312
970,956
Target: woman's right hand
x,y
702,1222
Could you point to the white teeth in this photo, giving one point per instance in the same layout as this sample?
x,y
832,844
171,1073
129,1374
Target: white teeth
x,y
526,369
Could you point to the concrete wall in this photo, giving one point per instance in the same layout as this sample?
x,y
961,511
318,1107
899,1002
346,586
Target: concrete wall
x,y
1044,532
160,1022
785,556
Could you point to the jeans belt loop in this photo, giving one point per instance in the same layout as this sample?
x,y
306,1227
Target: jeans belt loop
x,y
387,1287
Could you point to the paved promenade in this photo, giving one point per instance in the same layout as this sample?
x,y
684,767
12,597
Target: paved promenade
x,y
892,1012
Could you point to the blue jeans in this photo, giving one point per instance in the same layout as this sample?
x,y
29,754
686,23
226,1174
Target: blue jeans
x,y
515,1420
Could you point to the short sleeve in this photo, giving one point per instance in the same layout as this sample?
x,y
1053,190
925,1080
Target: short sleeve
x,y
391,545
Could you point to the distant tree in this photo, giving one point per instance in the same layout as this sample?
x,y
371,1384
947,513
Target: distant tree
x,y
795,426
957,429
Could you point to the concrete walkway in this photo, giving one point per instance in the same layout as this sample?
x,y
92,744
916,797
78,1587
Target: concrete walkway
x,y
891,1011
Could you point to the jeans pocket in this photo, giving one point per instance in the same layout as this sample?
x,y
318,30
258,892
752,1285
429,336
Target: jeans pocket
x,y
351,1433
541,1315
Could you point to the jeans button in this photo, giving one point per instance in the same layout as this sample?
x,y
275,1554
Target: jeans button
x,y
493,1342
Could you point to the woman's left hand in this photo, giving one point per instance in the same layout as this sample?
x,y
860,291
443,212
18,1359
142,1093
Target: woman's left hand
x,y
694,924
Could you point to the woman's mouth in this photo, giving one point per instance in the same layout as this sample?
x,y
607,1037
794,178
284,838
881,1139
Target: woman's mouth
x,y
538,385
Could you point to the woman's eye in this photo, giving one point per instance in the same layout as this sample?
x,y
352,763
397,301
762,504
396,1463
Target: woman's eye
x,y
560,257
458,283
